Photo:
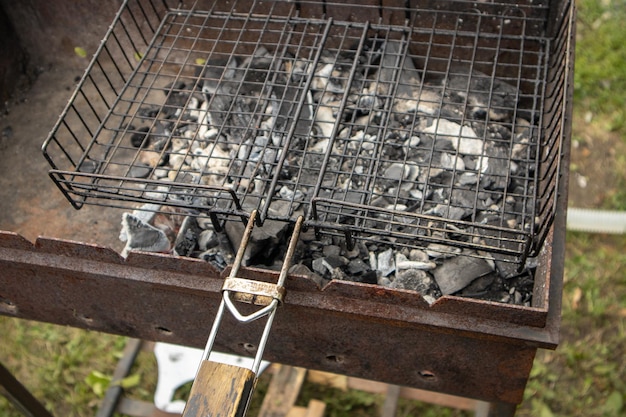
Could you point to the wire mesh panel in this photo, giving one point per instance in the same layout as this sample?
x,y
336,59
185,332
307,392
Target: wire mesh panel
x,y
404,125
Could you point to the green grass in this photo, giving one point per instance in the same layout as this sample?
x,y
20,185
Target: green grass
x,y
54,361
600,73
587,371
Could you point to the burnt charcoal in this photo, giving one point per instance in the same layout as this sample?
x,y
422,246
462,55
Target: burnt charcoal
x,y
149,111
142,236
217,258
368,277
207,239
141,138
303,270
506,268
457,272
177,97
448,212
331,250
417,280
403,263
339,275
484,95
264,244
497,172
187,238
139,171
319,266
357,267
385,262
479,287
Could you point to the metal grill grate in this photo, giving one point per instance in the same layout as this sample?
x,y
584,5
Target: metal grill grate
x,y
427,128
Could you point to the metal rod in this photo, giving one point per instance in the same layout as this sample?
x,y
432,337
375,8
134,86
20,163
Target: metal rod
x,y
18,395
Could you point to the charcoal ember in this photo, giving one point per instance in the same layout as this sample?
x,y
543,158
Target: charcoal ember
x,y
417,280
207,239
187,239
149,112
385,263
303,270
177,95
220,255
457,272
327,265
479,287
264,243
488,96
139,171
331,250
448,212
142,236
140,138
496,175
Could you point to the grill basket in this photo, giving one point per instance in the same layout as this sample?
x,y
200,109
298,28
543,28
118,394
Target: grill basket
x,y
434,122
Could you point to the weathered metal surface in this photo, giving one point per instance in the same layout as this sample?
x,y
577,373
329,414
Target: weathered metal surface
x,y
348,328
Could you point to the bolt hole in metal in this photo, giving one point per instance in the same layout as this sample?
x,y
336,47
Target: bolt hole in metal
x,y
248,347
84,318
427,375
338,359
163,330
7,306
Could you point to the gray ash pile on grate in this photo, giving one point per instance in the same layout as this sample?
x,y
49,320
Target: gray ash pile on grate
x,y
454,149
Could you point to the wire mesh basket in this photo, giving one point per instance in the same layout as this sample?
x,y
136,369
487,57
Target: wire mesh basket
x,y
420,123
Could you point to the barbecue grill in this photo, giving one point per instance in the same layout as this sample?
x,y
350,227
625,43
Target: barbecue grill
x,y
428,126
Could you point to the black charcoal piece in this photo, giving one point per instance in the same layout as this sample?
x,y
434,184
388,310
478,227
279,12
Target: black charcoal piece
x,y
457,272
357,267
139,171
264,243
187,238
141,138
300,269
416,280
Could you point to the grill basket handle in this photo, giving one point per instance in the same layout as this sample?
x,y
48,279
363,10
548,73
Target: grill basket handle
x,y
220,390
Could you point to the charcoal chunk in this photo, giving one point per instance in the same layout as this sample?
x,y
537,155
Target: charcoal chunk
x,y
457,272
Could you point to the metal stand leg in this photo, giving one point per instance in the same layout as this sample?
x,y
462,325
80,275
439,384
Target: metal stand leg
x,y
19,396
114,393
485,409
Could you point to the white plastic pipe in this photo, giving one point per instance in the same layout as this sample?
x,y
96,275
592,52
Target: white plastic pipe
x,y
596,221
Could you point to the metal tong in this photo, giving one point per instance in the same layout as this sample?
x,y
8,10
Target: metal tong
x,y
225,390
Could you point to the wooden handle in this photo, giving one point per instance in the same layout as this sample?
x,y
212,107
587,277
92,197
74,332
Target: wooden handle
x,y
220,390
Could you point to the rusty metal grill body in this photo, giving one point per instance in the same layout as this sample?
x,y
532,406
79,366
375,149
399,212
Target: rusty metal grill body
x,y
159,60
157,52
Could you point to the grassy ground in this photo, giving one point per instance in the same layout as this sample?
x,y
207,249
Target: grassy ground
x,y
69,369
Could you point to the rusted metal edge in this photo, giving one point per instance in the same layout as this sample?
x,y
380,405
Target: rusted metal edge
x,y
25,266
147,298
